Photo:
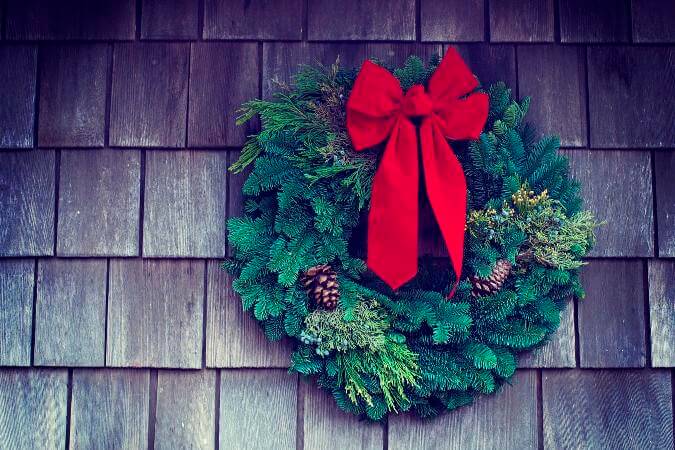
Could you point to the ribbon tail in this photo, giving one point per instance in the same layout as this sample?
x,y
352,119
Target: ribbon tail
x,y
446,189
392,221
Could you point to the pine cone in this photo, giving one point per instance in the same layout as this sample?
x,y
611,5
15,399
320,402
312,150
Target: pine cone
x,y
493,282
321,285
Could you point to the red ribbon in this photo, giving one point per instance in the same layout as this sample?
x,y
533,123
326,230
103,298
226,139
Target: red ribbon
x,y
377,109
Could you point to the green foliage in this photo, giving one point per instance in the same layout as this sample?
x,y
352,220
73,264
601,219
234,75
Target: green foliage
x,y
414,349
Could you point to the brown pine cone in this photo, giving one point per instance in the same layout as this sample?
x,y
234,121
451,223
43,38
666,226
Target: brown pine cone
x,y
322,286
493,282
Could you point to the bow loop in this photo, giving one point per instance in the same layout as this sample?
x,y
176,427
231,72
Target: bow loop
x,y
378,110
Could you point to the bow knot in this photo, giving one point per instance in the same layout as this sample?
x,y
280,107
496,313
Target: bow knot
x,y
416,102
377,110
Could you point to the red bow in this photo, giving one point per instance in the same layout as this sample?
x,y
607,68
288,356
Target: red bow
x,y
377,110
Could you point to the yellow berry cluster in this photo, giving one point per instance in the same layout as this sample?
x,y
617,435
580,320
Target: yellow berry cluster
x,y
525,199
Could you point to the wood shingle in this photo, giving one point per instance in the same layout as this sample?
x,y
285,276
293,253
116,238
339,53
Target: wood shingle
x,y
653,21
73,80
630,91
664,168
661,276
155,310
173,19
607,409
18,68
149,95
521,21
594,21
617,187
611,317
109,406
257,409
185,204
27,202
99,202
70,312
245,19
17,278
371,20
491,63
555,78
452,21
223,75
33,407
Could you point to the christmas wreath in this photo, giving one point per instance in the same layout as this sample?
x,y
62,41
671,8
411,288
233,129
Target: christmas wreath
x,y
339,149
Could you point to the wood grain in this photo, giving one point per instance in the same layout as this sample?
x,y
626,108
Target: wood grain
x,y
16,311
664,168
257,19
611,317
491,422
149,95
185,410
560,350
452,21
662,311
617,188
326,426
627,85
70,312
27,203
368,20
155,313
73,83
70,19
653,21
491,62
222,77
548,74
607,409
172,19
33,409
521,21
99,201
233,337
185,204
18,68
594,21
109,409
258,409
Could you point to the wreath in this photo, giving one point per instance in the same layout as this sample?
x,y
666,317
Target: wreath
x,y
340,149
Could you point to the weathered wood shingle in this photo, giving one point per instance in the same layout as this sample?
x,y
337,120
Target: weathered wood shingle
x,y
489,423
222,77
653,20
186,410
630,93
491,63
33,409
16,311
662,311
560,350
172,19
664,168
258,409
257,19
617,187
109,409
367,20
27,202
611,317
555,78
521,21
155,310
149,95
71,19
73,80
70,312
185,203
99,201
233,337
452,21
18,68
594,21
607,409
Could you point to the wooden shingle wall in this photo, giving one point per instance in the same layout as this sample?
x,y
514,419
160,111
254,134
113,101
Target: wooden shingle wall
x,y
116,129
